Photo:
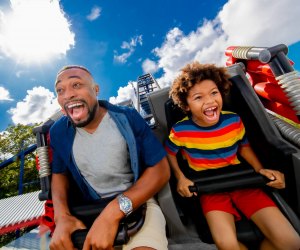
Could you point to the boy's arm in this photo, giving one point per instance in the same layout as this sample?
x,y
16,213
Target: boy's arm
x,y
175,167
276,177
183,183
248,154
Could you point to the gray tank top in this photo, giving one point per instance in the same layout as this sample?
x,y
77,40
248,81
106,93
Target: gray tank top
x,y
103,158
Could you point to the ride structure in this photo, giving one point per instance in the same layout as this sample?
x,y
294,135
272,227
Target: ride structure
x,y
275,81
272,76
145,84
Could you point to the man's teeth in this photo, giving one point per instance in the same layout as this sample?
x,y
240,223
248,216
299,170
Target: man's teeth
x,y
74,105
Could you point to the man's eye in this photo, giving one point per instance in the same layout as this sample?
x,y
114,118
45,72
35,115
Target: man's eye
x,y
59,91
76,85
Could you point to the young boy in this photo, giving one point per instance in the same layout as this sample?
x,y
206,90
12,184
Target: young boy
x,y
210,138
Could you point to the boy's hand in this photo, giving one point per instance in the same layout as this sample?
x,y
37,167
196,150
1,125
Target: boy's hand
x,y
183,187
276,178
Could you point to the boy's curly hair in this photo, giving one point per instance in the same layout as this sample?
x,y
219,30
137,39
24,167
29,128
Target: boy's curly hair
x,y
194,73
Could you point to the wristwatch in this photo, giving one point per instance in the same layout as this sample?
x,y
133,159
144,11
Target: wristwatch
x,y
125,204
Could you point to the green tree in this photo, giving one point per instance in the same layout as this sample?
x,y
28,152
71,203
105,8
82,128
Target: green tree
x,y
12,141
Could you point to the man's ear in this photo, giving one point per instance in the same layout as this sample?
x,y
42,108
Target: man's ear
x,y
97,89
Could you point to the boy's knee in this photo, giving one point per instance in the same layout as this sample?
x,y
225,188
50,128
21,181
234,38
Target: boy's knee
x,y
227,243
291,242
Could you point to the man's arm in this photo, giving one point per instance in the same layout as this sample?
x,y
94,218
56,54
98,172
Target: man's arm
x,y
104,229
65,222
150,182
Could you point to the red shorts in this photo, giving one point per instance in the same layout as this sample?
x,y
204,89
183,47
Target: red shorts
x,y
248,201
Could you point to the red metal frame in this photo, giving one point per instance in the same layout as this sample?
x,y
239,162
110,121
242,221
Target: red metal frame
x,y
14,227
265,85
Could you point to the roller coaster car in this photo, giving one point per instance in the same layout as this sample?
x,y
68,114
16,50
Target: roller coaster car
x,y
274,151
185,223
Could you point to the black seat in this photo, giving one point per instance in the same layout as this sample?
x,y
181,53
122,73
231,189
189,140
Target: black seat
x,y
273,151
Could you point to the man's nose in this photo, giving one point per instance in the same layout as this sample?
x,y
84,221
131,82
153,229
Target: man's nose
x,y
70,93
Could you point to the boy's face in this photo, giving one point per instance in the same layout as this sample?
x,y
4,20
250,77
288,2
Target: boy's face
x,y
205,103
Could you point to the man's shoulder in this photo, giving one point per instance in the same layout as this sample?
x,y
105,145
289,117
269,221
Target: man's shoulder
x,y
115,107
60,126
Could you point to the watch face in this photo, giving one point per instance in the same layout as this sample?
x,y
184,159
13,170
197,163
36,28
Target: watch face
x,y
125,204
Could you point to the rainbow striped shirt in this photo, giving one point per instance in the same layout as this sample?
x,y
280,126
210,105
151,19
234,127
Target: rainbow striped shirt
x,y
208,147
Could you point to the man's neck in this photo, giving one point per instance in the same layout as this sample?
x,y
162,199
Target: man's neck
x,y
93,125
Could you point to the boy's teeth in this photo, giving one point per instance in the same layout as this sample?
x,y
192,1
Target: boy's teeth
x,y
210,109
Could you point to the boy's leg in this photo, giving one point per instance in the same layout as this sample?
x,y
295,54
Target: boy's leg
x,y
278,231
259,207
222,227
221,215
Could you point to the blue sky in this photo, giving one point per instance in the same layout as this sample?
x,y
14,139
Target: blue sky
x,y
119,40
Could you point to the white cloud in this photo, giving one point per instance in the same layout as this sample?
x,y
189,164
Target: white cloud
x,y
95,13
4,95
34,31
179,49
124,94
38,105
247,23
261,22
130,46
149,66
252,23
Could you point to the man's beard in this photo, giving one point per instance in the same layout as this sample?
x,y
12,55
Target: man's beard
x,y
91,116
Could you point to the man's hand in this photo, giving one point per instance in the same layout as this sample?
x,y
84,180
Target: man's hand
x,y
65,226
104,229
276,178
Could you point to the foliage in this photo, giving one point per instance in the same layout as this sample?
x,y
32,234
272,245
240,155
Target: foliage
x,y
12,141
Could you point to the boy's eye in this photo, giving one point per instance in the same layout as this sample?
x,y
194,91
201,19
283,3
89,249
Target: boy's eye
x,y
215,92
198,97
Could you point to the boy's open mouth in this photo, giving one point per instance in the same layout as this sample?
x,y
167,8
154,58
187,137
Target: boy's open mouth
x,y
211,113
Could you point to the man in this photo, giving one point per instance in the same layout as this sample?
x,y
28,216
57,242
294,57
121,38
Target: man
x,y
109,151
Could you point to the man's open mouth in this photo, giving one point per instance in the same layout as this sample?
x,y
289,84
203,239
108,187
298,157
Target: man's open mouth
x,y
75,110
